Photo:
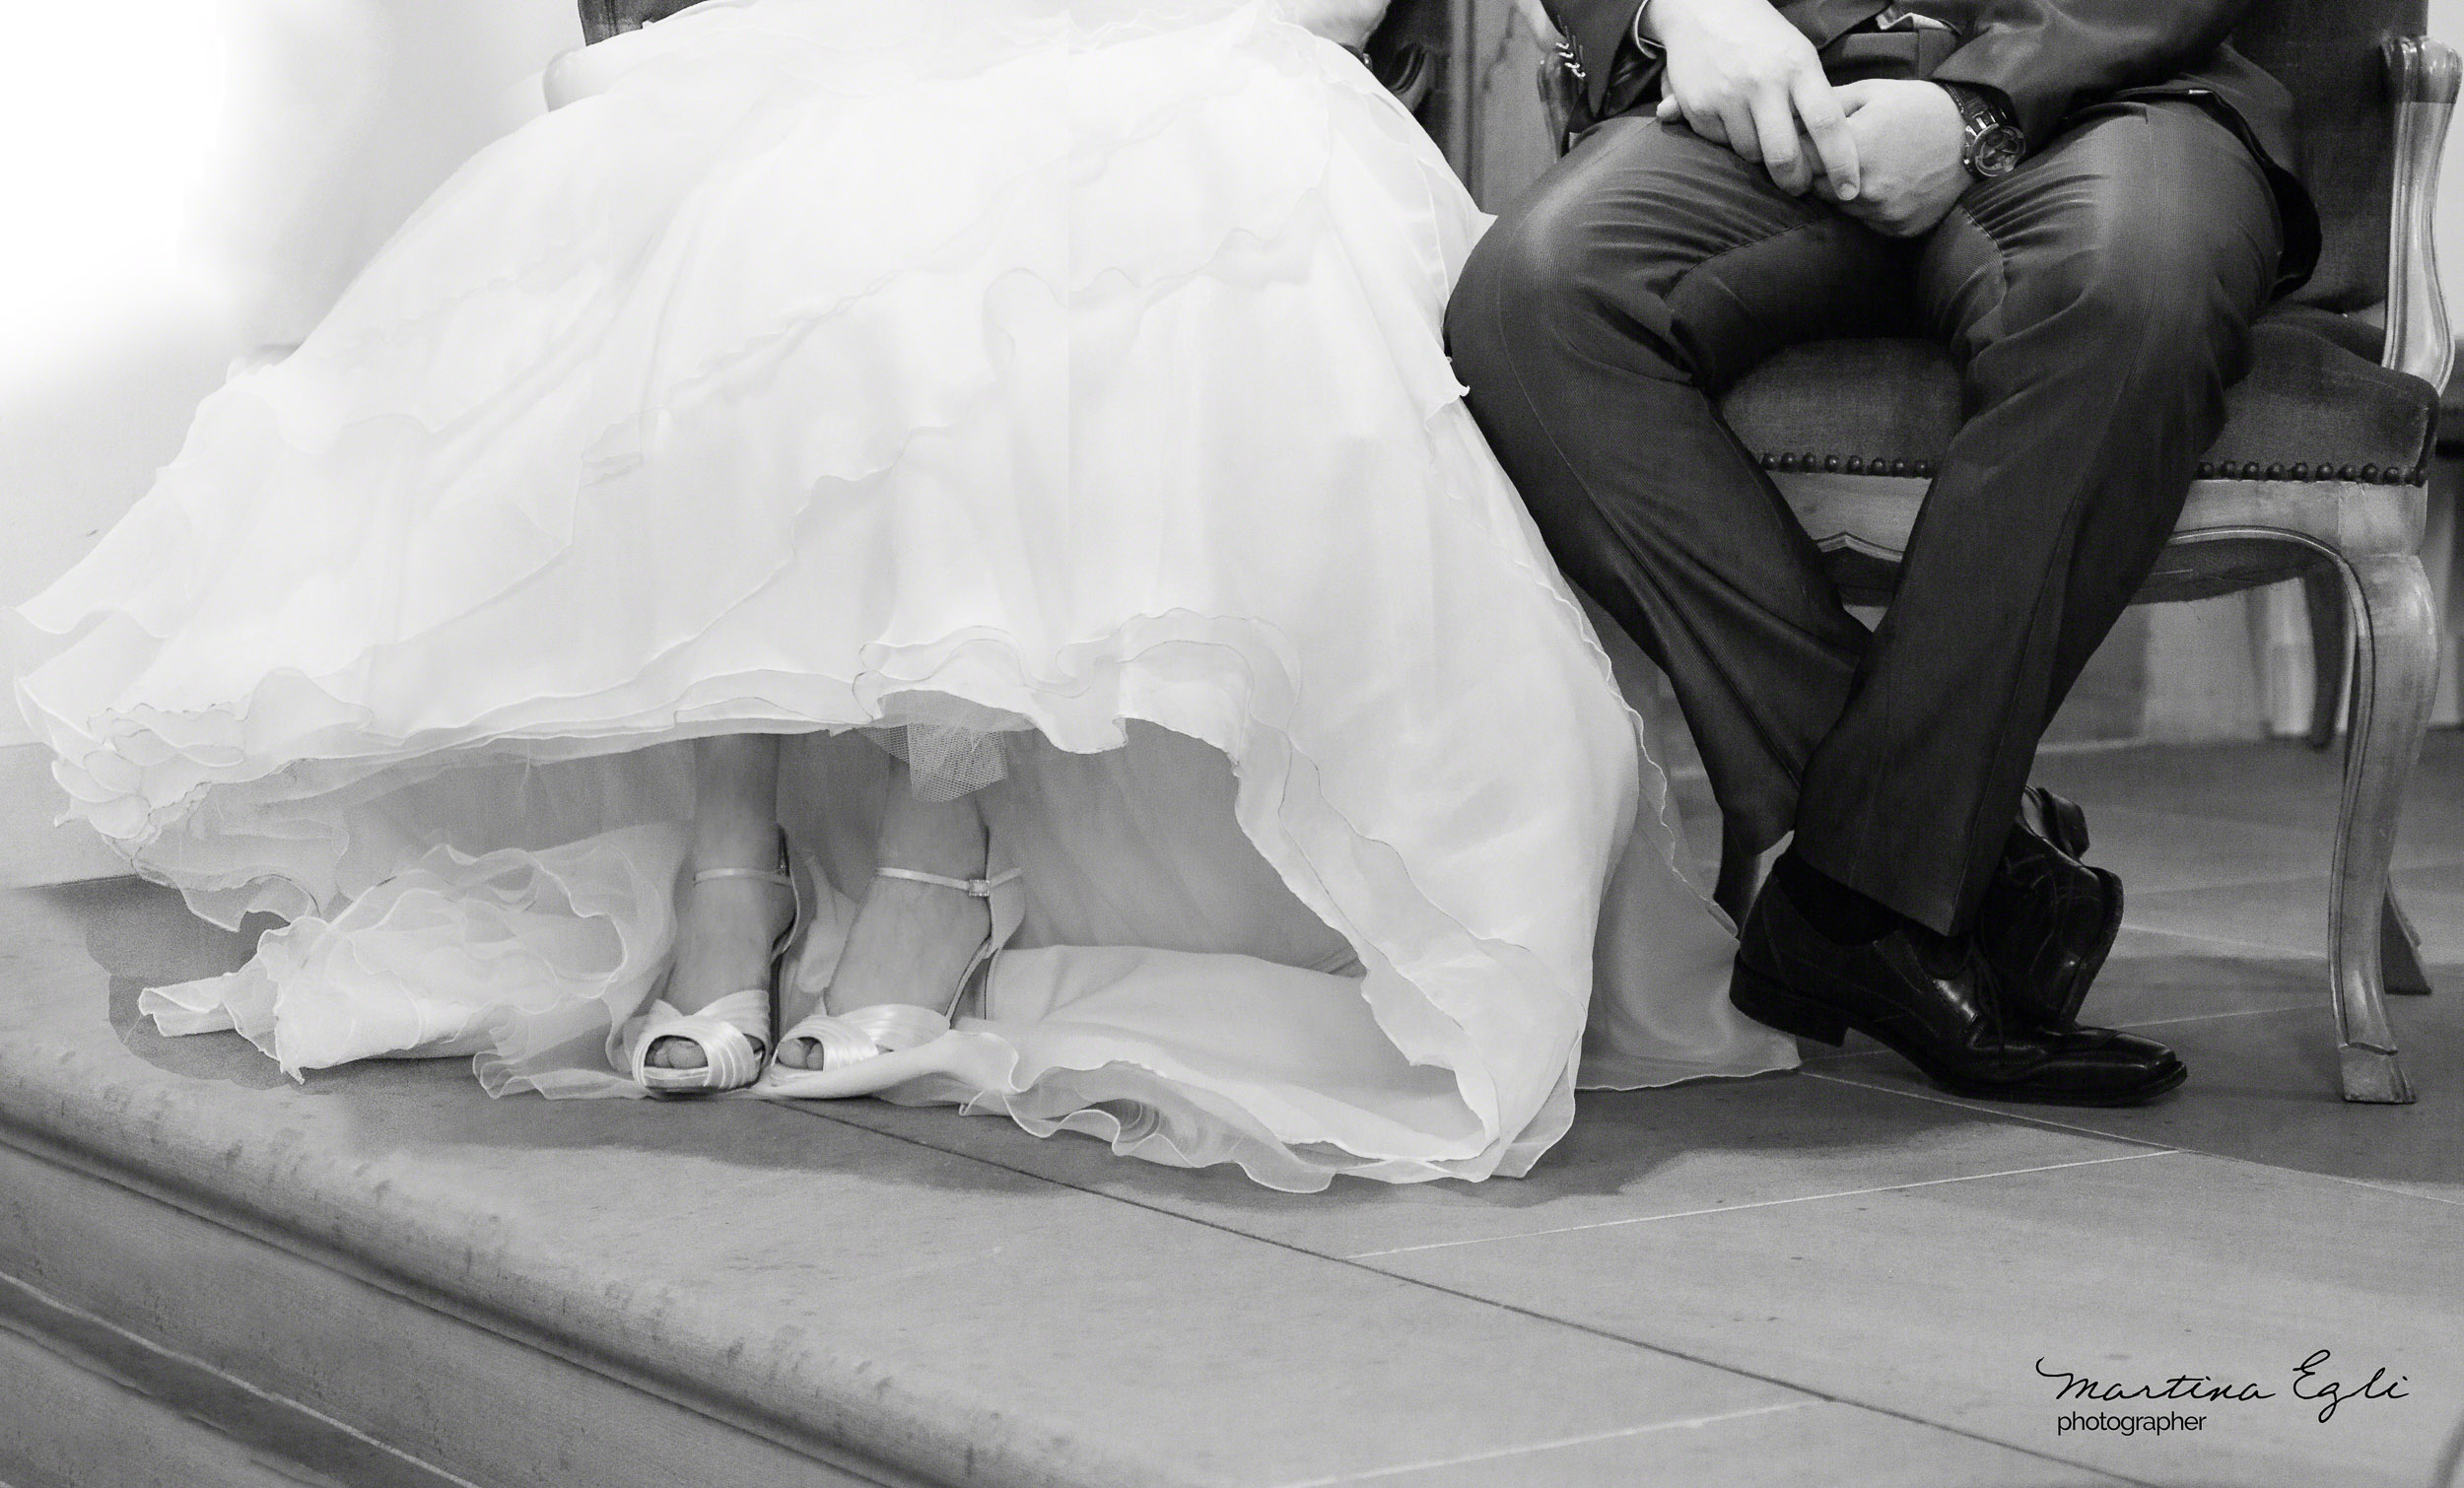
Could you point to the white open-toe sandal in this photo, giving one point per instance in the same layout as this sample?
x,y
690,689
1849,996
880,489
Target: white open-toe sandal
x,y
732,1032
870,1049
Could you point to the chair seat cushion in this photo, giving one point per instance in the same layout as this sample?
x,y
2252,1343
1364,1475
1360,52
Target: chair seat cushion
x,y
2315,406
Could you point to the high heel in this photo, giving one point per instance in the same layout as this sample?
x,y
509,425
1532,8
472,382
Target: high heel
x,y
733,1032
869,1048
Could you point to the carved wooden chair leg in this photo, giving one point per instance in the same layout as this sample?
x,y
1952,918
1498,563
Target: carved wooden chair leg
x,y
2400,950
1740,876
2394,660
2331,647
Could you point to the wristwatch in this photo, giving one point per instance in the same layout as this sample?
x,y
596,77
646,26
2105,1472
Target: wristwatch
x,y
1994,144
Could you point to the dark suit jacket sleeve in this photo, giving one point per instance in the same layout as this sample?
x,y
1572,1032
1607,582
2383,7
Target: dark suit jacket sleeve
x,y
1596,28
2053,57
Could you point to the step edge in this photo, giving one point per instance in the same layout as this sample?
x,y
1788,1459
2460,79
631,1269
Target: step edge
x,y
72,1333
577,1352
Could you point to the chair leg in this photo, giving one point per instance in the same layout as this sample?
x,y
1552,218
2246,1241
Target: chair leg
x,y
2394,665
2331,647
2400,950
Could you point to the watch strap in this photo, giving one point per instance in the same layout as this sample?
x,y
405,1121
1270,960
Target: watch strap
x,y
1634,32
1975,104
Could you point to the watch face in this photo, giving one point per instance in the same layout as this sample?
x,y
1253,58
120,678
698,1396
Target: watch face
x,y
1997,153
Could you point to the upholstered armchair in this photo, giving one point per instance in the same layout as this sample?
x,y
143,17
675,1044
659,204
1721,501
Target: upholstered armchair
x,y
2319,474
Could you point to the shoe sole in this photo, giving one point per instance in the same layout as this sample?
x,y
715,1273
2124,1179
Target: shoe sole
x,y
698,1091
1765,1000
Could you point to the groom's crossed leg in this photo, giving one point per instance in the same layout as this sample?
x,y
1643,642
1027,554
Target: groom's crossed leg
x,y
2098,300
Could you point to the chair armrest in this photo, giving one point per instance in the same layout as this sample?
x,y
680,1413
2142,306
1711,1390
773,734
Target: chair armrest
x,y
599,21
2422,79
603,19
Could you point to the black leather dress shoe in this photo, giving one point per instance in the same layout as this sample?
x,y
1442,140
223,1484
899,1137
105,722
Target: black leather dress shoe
x,y
2047,921
1933,1000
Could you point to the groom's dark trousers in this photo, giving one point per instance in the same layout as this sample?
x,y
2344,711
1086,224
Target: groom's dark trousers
x,y
2098,300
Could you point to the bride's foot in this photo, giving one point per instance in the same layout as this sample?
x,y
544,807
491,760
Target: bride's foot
x,y
724,939
910,942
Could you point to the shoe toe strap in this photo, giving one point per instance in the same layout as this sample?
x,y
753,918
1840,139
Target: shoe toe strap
x,y
729,1032
864,1031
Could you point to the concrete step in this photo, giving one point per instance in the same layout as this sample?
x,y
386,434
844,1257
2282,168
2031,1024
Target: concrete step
x,y
382,1277
209,1274
315,1359
70,1423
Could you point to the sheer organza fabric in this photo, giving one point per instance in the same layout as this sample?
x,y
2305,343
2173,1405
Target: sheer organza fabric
x,y
1068,376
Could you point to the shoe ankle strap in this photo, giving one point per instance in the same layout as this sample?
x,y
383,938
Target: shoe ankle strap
x,y
766,875
980,887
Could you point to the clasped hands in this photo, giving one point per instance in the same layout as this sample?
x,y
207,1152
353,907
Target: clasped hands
x,y
1888,151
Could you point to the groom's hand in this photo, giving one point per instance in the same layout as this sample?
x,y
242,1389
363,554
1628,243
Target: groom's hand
x,y
1740,75
1912,146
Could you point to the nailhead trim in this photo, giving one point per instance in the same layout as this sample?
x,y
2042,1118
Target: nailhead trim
x,y
2249,470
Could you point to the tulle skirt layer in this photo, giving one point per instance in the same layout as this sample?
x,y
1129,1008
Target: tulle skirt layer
x,y
1062,375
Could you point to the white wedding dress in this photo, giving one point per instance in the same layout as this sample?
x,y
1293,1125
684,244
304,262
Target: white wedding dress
x,y
1061,373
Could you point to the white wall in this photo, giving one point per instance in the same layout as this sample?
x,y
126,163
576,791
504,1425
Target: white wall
x,y
201,178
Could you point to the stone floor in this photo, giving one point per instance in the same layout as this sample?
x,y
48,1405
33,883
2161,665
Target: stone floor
x,y
1836,1276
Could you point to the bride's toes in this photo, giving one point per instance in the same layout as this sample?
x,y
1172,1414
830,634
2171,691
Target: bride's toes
x,y
674,1054
801,1053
